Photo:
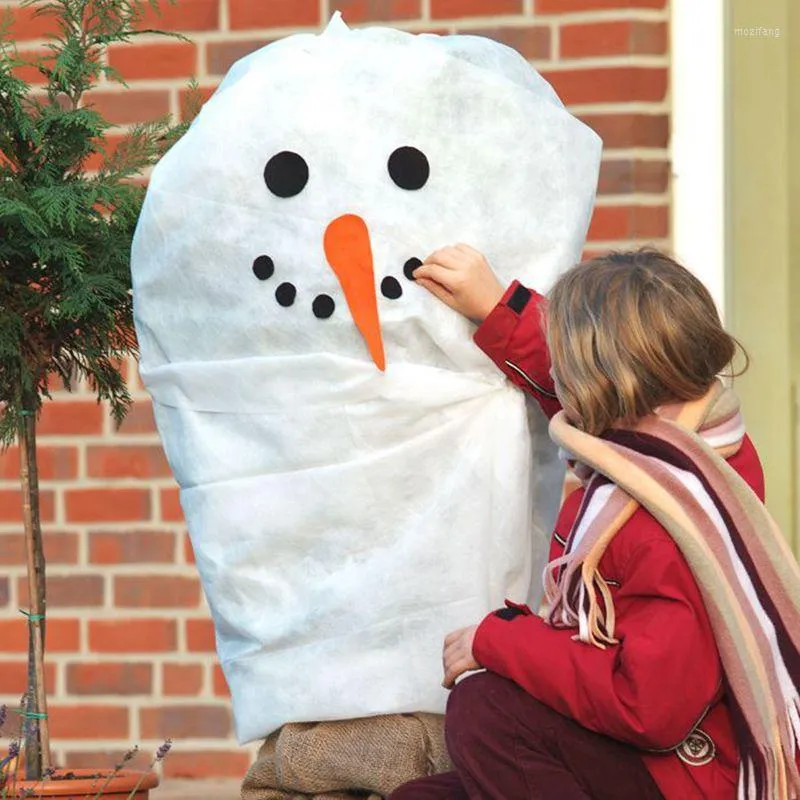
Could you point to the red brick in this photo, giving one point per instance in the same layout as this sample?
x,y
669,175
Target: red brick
x,y
626,176
104,678
28,24
609,84
11,505
126,461
139,419
14,677
274,14
355,11
649,222
132,547
130,105
162,60
623,37
185,95
53,463
200,636
124,367
620,131
441,9
71,417
611,223
5,590
184,16
132,635
188,550
171,510
182,679
107,505
565,6
62,635
104,152
220,56
220,685
29,71
589,253
207,764
56,383
185,721
161,591
59,548
88,722
105,759
532,41
68,591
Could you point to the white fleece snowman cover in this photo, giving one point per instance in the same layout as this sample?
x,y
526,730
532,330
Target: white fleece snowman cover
x,y
357,477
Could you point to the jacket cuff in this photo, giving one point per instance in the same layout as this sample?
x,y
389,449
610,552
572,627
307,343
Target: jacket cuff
x,y
502,318
495,625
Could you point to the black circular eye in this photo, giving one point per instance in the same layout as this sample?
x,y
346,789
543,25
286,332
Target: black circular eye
x,y
391,288
263,268
409,168
410,266
286,174
285,294
323,306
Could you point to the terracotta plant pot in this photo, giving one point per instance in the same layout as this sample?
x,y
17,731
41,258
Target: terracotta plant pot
x,y
83,784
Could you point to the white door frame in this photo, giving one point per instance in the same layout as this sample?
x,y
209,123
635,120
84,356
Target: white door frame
x,y
698,140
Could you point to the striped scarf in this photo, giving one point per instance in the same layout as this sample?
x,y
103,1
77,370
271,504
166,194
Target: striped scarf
x,y
673,464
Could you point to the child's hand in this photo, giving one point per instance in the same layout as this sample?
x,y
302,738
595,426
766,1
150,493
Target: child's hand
x,y
461,277
457,656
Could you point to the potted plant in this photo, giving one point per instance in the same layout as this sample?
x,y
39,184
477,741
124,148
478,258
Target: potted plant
x,y
68,209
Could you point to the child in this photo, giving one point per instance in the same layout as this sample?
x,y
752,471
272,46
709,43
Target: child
x,y
666,660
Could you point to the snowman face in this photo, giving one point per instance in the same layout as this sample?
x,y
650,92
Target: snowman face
x,y
347,246
289,220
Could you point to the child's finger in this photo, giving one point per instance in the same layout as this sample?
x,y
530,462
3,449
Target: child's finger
x,y
454,671
436,290
447,257
435,273
451,652
467,250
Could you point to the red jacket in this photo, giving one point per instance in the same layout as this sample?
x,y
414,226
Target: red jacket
x,y
660,688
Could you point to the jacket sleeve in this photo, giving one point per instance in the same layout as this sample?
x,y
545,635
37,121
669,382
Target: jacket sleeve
x,y
649,690
513,337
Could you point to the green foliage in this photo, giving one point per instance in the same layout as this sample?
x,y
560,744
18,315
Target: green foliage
x,y
66,229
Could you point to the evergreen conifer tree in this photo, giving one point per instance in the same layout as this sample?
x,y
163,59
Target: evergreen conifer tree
x,y
65,240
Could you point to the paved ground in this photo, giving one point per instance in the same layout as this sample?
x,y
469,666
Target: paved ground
x,y
197,790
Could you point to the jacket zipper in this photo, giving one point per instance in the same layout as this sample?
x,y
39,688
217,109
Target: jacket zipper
x,y
539,388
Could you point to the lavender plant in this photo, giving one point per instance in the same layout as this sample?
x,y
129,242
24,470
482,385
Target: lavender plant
x,y
9,769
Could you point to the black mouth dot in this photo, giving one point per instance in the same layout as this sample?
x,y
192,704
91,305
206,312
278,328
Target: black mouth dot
x,y
323,306
263,268
410,266
285,294
391,288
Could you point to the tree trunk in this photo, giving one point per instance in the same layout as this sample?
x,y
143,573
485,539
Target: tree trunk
x,y
36,725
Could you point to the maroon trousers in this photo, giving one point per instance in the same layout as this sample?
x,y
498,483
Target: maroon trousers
x,y
506,745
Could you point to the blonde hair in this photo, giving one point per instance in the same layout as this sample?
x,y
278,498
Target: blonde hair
x,y
628,332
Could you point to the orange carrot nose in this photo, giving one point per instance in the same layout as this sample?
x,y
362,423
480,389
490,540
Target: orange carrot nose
x,y
347,248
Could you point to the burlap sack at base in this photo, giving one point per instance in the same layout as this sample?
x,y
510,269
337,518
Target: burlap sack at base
x,y
359,758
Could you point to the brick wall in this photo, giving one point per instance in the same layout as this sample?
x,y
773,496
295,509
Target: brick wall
x,y
130,644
